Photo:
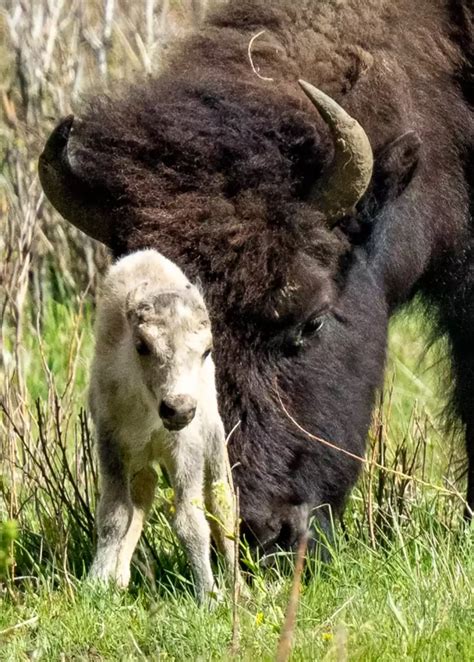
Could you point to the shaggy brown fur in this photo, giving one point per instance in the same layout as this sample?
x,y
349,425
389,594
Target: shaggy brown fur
x,y
213,165
211,145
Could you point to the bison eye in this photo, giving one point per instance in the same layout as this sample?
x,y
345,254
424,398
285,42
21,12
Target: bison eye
x,y
206,354
142,348
313,325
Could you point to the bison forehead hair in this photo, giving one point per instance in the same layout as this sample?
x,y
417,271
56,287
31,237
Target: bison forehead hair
x,y
217,161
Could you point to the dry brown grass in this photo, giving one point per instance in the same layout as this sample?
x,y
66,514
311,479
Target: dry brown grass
x,y
52,54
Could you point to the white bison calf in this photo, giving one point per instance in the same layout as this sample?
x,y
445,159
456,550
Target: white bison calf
x,y
153,399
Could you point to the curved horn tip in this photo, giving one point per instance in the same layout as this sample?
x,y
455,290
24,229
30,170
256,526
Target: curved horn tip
x,y
312,91
330,110
58,139
348,177
305,86
64,128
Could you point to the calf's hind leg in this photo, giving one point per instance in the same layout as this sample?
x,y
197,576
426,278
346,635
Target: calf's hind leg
x,y
142,492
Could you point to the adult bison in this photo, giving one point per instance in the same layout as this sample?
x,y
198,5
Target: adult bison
x,y
306,231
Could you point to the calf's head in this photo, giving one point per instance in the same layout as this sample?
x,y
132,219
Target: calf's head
x,y
171,341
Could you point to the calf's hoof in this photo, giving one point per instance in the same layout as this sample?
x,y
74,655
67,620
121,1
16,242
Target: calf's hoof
x,y
118,578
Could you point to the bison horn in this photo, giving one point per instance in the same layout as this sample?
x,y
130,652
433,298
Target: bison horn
x,y
350,172
72,197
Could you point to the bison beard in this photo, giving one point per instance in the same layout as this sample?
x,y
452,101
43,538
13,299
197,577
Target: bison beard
x,y
222,172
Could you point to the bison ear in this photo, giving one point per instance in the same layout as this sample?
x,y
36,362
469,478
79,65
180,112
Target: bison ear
x,y
394,167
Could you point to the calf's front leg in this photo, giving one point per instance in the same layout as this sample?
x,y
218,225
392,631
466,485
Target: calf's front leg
x,y
190,523
114,512
221,502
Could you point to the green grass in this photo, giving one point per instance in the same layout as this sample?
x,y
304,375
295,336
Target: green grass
x,y
412,601
399,587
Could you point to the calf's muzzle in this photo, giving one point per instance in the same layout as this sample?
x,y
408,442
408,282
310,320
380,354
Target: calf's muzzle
x,y
177,411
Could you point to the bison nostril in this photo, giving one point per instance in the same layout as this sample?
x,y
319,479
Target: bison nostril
x,y
166,410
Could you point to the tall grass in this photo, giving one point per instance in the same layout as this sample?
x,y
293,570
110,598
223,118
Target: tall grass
x,y
53,53
403,544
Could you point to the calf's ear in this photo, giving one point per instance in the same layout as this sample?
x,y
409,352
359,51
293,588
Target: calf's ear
x,y
138,306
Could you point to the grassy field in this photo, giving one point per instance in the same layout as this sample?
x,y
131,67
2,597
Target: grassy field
x,y
400,583
399,587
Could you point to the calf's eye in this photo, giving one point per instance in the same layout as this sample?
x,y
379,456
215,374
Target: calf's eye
x,y
206,354
142,348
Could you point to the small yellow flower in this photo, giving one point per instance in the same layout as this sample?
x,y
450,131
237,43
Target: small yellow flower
x,y
259,618
327,636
